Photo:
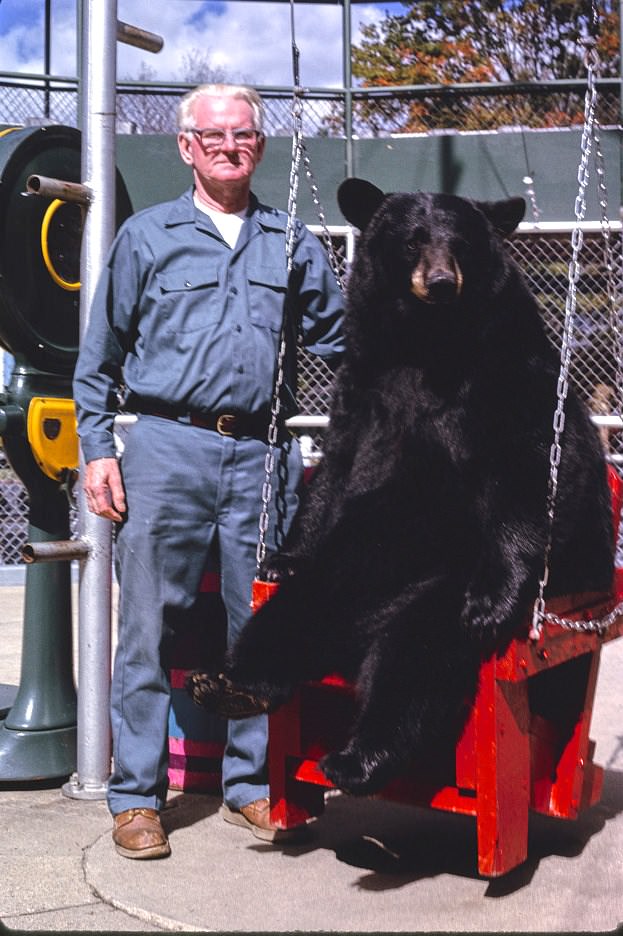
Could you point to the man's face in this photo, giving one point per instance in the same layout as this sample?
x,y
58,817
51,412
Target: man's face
x,y
228,161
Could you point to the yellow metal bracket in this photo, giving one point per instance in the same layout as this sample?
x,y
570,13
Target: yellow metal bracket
x,y
53,435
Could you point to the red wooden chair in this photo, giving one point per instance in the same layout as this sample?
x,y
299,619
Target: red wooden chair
x,y
525,746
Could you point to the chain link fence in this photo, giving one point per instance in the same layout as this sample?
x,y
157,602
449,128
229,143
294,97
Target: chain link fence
x,y
151,108
544,257
475,109
13,514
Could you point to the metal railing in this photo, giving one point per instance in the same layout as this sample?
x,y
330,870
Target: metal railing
x,y
148,107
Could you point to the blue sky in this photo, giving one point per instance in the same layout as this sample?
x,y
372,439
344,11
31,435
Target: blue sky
x,y
250,40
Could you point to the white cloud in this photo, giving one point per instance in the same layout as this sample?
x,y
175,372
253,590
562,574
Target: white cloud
x,y
250,40
22,36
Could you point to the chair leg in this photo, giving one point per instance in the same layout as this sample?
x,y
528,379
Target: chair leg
x,y
292,802
503,773
578,781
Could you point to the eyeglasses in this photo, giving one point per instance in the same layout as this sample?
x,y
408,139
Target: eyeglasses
x,y
212,138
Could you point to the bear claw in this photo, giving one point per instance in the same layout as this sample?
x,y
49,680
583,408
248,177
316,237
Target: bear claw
x,y
219,694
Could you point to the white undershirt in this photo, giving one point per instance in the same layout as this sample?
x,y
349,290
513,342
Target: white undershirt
x,y
228,225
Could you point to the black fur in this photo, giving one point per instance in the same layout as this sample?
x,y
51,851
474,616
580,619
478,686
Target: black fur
x,y
420,544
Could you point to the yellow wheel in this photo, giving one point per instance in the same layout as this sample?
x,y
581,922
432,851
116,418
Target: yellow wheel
x,y
61,232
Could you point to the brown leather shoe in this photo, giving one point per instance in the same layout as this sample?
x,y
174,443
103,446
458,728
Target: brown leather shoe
x,y
256,817
137,833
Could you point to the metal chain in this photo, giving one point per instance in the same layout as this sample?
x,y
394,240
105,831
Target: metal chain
x,y
299,155
273,430
598,625
609,263
601,625
577,239
326,236
528,181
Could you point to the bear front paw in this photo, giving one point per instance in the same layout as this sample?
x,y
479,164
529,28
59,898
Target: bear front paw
x,y
277,568
220,695
480,616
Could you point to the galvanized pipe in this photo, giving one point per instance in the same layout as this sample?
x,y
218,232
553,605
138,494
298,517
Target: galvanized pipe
x,y
47,57
98,84
620,92
141,38
55,551
98,80
347,77
56,188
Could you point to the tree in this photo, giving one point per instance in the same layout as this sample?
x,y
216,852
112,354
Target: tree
x,y
141,112
197,68
155,112
473,41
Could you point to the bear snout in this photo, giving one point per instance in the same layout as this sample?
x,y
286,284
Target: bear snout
x,y
439,285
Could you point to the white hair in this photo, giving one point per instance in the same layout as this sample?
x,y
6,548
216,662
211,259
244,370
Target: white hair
x,y
185,119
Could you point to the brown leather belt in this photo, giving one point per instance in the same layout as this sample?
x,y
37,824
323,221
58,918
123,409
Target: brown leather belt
x,y
234,425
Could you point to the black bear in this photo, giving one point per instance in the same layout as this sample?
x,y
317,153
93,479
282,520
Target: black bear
x,y
419,546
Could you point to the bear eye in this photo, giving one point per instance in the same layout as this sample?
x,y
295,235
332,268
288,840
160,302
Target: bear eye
x,y
416,238
460,246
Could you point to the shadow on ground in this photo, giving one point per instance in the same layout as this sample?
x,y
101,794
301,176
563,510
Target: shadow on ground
x,y
399,844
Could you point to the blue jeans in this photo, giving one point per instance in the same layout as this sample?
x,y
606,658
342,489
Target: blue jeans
x,y
185,486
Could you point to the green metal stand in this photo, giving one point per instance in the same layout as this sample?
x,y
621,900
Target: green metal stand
x,y
38,735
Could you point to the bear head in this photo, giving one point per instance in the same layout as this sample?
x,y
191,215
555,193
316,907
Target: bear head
x,y
431,248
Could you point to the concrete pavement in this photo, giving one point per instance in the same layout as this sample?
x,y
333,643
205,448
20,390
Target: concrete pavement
x,y
367,866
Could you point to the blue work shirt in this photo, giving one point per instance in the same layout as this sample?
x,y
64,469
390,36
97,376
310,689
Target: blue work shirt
x,y
181,319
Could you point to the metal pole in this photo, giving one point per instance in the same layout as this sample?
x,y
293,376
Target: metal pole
x,y
621,104
54,551
57,188
98,83
47,57
348,81
80,122
140,38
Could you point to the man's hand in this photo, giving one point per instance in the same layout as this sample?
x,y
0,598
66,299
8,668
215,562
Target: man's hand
x,y
104,489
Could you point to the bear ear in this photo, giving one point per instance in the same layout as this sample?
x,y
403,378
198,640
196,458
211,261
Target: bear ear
x,y
358,200
504,215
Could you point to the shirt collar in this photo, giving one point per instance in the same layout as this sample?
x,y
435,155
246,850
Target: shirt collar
x,y
183,211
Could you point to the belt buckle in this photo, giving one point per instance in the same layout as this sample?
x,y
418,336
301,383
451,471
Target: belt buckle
x,y
226,424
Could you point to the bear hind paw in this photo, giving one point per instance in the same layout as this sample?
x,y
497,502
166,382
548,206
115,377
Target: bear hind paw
x,y
355,772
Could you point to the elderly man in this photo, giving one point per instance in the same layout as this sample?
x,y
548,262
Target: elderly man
x,y
185,323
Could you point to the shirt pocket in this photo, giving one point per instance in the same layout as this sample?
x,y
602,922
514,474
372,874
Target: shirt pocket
x,y
188,300
267,293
